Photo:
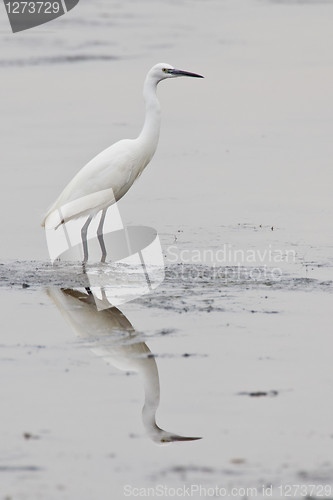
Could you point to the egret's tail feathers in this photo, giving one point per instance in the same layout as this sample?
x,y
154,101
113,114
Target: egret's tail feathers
x,y
89,204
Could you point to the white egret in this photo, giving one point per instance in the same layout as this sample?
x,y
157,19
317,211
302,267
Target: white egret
x,y
107,177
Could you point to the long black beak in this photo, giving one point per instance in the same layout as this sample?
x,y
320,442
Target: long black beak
x,y
179,72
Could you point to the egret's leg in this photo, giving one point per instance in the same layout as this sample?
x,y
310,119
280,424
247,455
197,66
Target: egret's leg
x,y
84,231
100,235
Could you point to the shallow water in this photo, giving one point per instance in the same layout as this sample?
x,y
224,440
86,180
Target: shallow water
x,y
239,333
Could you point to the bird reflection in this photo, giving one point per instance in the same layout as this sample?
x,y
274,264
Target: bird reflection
x,y
112,337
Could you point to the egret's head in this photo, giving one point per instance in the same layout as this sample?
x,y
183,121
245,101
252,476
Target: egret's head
x,y
161,71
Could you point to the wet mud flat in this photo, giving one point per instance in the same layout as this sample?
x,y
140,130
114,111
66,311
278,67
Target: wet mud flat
x,y
244,365
181,281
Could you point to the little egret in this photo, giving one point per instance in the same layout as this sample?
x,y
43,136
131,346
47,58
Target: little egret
x,y
109,175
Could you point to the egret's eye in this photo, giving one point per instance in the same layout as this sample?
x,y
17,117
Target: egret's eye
x,y
165,70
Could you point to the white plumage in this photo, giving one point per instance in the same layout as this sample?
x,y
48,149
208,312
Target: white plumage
x,y
108,176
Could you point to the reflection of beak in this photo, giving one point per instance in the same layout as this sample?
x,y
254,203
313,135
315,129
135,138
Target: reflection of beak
x,y
179,72
183,438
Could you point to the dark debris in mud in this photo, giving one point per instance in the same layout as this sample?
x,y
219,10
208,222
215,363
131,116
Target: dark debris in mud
x,y
20,468
188,472
258,394
29,435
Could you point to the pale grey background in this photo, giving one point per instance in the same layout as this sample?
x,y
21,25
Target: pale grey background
x,y
250,145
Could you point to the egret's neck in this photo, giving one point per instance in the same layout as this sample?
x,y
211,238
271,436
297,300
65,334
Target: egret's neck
x,y
151,128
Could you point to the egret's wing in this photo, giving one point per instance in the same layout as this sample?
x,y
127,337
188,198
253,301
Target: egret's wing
x,y
111,171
